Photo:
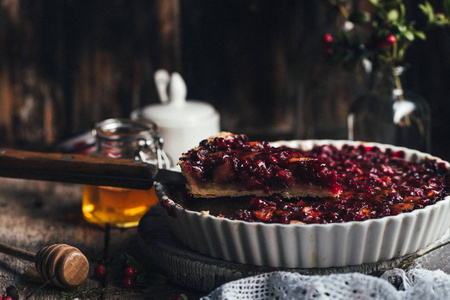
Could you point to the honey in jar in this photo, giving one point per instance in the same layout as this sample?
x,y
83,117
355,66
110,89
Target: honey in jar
x,y
120,207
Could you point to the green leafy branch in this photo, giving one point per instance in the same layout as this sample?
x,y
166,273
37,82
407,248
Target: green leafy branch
x,y
383,35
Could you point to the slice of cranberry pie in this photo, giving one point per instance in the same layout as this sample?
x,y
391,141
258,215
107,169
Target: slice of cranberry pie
x,y
231,165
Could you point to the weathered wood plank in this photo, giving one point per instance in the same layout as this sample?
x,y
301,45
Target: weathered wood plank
x,y
65,65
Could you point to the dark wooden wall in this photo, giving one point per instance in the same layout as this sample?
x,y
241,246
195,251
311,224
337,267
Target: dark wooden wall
x,y
65,65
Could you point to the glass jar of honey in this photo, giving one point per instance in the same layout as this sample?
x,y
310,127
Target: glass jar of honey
x,y
123,138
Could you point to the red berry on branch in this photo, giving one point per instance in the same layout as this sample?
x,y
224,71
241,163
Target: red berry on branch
x,y
130,272
391,39
327,39
127,282
100,271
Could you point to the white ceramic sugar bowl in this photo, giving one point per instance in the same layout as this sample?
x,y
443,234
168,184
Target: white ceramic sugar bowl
x,y
182,124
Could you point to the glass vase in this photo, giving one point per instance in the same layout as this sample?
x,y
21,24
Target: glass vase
x,y
388,114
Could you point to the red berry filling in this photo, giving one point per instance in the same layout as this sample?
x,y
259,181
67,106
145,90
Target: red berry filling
x,y
256,165
375,184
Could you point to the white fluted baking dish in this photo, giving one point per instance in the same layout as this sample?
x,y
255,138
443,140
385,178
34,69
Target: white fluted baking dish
x,y
312,245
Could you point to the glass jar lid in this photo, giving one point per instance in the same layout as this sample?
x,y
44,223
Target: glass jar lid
x,y
118,129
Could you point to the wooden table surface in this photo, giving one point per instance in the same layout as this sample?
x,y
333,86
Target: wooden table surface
x,y
35,214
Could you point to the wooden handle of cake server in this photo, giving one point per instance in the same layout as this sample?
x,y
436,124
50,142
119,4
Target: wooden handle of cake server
x,y
75,168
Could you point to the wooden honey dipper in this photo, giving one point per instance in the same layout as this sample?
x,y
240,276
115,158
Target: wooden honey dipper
x,y
62,265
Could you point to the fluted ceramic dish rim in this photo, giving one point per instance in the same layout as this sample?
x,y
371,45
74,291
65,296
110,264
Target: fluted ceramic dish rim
x,y
311,245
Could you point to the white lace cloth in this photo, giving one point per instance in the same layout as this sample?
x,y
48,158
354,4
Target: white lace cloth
x,y
426,279
416,283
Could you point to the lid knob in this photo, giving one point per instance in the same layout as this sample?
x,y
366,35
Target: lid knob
x,y
177,90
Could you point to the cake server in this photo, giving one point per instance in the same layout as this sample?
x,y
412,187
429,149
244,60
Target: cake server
x,y
83,169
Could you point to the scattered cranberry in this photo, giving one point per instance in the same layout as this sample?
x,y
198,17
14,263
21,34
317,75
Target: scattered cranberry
x,y
100,271
127,282
130,272
327,39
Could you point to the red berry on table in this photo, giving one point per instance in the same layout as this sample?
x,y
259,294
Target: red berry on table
x,y
127,282
130,272
391,39
327,39
100,271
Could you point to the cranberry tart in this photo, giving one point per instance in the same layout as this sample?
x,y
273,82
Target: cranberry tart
x,y
230,165
394,202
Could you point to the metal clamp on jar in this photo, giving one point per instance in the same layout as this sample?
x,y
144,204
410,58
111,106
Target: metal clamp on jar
x,y
123,138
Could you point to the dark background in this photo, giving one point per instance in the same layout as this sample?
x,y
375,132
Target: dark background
x,y
66,64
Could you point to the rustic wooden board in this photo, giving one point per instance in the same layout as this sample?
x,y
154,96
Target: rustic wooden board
x,y
35,214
